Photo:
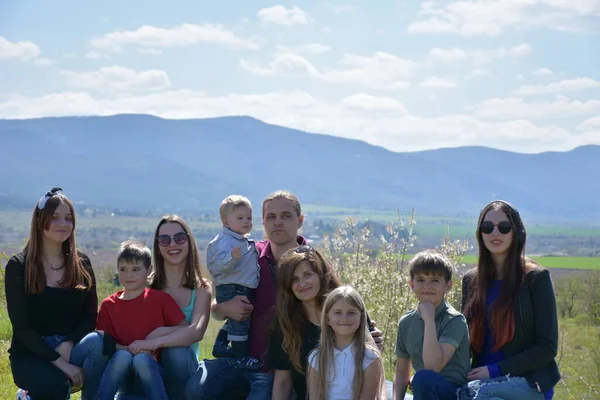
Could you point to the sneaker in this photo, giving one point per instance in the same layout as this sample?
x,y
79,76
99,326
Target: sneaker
x,y
221,350
22,395
249,363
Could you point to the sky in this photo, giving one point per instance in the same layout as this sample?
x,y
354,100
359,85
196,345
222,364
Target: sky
x,y
518,75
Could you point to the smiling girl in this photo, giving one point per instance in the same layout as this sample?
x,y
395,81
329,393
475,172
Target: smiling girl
x,y
52,304
346,364
177,272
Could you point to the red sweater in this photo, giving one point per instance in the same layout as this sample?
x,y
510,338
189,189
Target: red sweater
x,y
130,320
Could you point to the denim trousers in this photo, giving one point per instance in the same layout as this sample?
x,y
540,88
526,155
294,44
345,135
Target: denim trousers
x,y
44,381
178,365
122,371
219,379
500,388
429,385
237,331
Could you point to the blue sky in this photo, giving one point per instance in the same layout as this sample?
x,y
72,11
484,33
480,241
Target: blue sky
x,y
520,75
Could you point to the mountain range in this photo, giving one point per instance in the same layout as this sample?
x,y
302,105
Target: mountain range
x,y
145,162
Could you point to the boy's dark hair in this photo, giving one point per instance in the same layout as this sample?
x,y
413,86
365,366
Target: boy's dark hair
x,y
430,262
134,251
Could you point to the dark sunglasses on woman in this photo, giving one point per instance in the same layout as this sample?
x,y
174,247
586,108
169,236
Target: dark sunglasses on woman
x,y
178,238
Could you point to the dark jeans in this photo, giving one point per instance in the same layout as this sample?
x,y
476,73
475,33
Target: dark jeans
x,y
429,385
237,331
44,381
219,379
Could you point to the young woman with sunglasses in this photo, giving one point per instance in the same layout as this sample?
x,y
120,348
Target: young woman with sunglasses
x,y
52,305
177,272
511,311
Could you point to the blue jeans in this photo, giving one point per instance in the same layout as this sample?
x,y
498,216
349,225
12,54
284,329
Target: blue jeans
x,y
121,370
429,385
237,331
42,379
178,365
219,379
500,388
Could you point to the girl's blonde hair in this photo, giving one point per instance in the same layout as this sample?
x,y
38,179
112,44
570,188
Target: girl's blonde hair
x,y
362,341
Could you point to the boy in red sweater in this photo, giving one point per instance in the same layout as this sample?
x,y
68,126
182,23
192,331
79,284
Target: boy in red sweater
x,y
131,314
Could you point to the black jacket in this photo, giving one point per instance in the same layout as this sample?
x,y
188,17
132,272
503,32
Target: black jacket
x,y
532,351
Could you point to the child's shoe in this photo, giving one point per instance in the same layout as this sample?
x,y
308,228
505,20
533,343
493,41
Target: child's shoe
x,y
249,363
221,348
22,395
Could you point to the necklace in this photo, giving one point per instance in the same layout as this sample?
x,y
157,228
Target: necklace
x,y
52,266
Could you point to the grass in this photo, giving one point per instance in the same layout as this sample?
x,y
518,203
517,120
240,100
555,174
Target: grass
x,y
582,263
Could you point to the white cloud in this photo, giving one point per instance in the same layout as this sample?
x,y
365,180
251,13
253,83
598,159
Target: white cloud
x,y
483,57
150,51
448,55
44,61
363,102
380,121
492,17
480,56
590,124
283,16
94,55
480,72
433,82
569,85
542,72
178,36
310,48
382,71
514,107
116,79
344,8
24,50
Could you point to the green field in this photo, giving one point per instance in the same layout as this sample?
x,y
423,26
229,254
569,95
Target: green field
x,y
585,263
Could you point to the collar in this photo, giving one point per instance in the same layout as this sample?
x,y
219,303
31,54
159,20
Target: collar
x,y
348,351
229,232
267,253
439,310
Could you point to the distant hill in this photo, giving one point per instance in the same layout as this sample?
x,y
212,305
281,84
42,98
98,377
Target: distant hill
x,y
141,161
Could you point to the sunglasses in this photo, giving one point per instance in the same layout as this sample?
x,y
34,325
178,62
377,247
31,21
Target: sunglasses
x,y
178,238
304,249
44,199
487,227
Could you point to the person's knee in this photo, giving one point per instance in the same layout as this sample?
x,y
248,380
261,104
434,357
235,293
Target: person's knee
x,y
142,362
423,379
121,360
93,342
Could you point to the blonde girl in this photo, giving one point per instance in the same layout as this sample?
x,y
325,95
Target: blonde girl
x,y
346,364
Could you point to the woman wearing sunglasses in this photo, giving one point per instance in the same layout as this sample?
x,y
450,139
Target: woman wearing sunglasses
x,y
52,305
511,310
177,272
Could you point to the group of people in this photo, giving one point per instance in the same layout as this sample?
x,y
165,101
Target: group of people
x,y
292,330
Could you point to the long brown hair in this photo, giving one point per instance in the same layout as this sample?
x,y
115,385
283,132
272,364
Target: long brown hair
x,y
75,275
291,315
362,341
502,313
192,274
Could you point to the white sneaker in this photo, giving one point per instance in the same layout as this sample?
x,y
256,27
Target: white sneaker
x,y
22,395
